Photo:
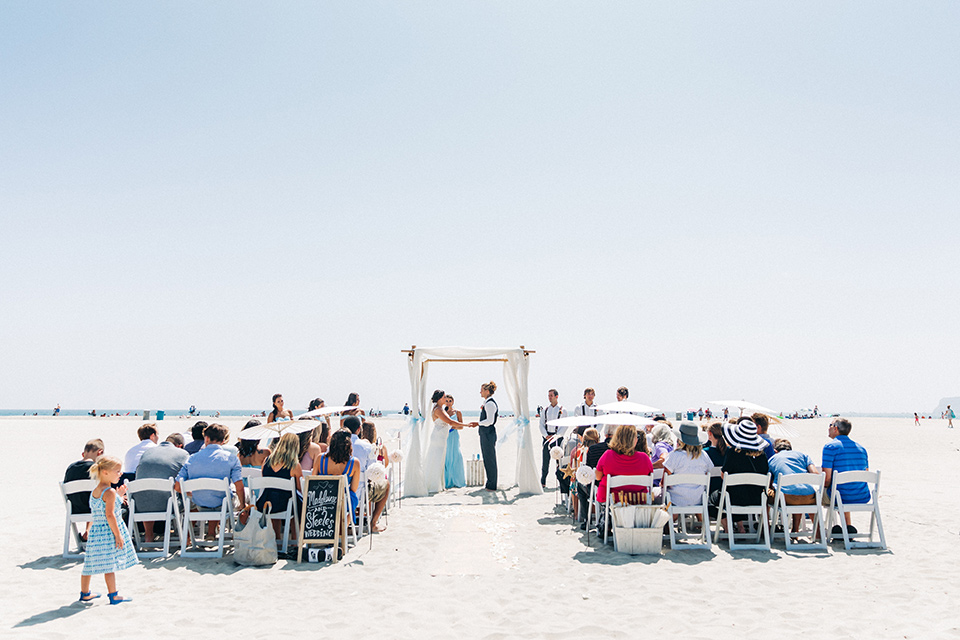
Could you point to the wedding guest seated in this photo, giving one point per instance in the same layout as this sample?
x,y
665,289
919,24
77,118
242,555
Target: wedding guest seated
x,y
80,470
196,432
662,438
339,460
213,461
717,450
308,449
163,461
763,424
744,455
378,490
787,461
362,450
590,437
368,432
621,459
148,439
687,458
843,454
283,463
249,451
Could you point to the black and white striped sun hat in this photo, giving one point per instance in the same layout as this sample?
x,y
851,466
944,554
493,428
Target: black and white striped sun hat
x,y
743,436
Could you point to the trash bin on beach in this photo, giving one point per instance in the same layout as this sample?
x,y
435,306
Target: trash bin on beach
x,y
146,415
159,415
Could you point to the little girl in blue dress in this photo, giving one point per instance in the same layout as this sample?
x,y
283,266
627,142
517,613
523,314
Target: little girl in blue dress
x,y
109,548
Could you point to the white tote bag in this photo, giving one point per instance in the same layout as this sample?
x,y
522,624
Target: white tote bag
x,y
254,543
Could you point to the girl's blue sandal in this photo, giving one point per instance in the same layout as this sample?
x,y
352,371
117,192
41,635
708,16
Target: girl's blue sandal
x,y
87,596
116,599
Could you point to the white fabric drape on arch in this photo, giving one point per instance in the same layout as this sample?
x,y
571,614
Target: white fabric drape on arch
x,y
515,372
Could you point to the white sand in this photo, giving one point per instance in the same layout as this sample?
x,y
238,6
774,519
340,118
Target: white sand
x,y
470,564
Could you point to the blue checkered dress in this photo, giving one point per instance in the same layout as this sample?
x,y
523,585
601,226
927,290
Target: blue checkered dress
x,y
102,555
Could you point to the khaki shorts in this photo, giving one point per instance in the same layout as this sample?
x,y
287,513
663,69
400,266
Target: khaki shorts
x,y
377,491
810,498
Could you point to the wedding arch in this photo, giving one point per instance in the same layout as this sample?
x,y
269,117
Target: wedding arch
x,y
516,367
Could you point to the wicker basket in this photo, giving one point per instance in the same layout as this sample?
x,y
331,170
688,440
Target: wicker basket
x,y
638,541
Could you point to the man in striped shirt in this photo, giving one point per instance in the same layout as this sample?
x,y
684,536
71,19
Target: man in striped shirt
x,y
843,454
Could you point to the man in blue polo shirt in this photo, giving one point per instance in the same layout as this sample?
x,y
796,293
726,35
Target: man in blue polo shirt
x,y
843,454
213,461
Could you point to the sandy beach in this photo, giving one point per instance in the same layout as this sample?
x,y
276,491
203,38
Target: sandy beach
x,y
472,564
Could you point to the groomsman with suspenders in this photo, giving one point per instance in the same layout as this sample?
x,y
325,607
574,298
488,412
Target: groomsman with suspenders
x,y
587,408
551,412
488,433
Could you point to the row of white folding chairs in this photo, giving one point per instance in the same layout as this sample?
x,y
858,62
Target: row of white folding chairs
x,y
757,514
171,516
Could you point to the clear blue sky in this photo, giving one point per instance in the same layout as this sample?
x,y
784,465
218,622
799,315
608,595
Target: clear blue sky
x,y
209,203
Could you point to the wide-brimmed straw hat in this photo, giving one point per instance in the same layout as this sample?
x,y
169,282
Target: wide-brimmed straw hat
x,y
689,433
743,436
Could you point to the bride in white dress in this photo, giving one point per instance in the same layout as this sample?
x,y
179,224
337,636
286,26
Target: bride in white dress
x,y
437,448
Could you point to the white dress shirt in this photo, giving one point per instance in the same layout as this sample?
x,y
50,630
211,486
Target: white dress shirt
x,y
550,412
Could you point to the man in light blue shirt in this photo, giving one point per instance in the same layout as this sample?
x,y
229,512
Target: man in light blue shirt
x,y
213,461
786,461
363,451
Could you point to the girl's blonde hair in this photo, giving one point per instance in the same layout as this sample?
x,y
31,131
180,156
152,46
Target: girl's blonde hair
x,y
624,441
490,386
286,453
103,463
693,449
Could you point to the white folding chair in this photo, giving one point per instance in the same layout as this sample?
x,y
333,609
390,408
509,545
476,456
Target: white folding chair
x,y
223,516
259,484
783,513
73,519
614,482
703,481
246,473
170,515
838,507
364,505
756,512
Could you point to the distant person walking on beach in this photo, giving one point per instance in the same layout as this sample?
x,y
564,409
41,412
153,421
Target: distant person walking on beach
x,y
488,433
950,417
56,411
916,419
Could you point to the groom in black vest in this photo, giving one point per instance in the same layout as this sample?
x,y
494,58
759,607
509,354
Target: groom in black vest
x,y
488,433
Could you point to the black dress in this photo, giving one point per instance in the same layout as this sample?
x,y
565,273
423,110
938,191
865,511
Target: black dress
x,y
278,498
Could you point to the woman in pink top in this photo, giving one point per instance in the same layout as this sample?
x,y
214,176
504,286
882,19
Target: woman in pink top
x,y
622,459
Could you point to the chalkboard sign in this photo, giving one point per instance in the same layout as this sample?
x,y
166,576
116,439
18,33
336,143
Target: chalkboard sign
x,y
323,517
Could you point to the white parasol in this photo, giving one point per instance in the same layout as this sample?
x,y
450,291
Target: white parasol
x,y
626,406
743,405
565,424
324,411
277,429
776,427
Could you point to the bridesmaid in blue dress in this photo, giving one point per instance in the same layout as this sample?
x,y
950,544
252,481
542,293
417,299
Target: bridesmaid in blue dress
x,y
453,465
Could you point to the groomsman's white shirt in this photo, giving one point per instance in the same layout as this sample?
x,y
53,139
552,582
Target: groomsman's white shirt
x,y
587,410
550,413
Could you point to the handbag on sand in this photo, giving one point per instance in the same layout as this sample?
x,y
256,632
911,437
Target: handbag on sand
x,y
254,543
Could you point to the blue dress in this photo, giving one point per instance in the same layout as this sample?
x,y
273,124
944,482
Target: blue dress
x,y
102,555
453,464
